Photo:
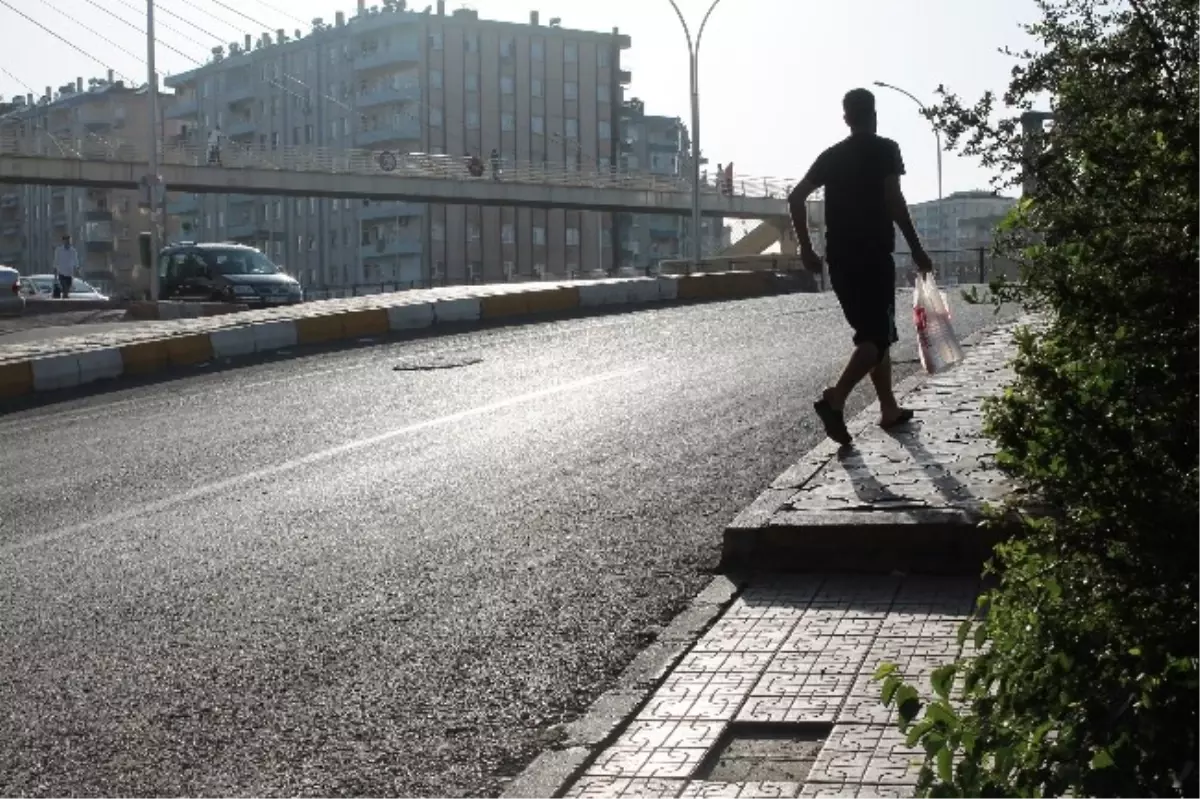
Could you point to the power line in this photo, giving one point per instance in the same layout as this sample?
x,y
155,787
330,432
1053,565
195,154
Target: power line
x,y
159,23
200,28
63,39
243,15
99,36
135,27
292,17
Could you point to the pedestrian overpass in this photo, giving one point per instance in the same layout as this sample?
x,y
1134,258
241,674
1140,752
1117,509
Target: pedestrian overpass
x,y
375,175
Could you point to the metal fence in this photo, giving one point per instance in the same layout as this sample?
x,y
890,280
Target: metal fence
x,y
952,267
233,155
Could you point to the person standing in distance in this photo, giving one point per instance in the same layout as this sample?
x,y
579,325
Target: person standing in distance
x,y
861,177
66,264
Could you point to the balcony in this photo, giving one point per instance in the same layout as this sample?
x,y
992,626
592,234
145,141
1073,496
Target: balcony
x,y
245,229
245,127
239,93
241,199
405,130
390,211
101,117
186,205
10,230
402,51
624,77
183,108
59,219
407,244
405,94
9,200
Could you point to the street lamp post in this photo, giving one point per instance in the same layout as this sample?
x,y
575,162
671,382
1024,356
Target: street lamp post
x,y
152,158
937,133
694,81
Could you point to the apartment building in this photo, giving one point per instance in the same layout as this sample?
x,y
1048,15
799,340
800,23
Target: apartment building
x,y
659,145
411,82
104,223
956,229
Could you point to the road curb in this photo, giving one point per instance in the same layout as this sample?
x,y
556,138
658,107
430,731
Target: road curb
x,y
198,340
580,741
933,540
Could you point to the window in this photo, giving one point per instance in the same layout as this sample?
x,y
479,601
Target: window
x,y
312,243
508,48
508,122
538,125
605,163
279,209
435,40
539,235
471,41
473,231
333,128
570,52
507,84
602,93
337,204
572,237
299,207
535,87
437,231
435,79
601,57
537,50
435,117
605,130
570,90
312,205
346,126
296,135
572,128
472,81
507,234
472,120
308,134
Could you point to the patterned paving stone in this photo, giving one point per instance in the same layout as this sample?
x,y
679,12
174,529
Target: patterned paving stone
x,y
699,789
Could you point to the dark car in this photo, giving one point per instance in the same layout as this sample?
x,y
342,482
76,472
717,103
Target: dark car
x,y
224,273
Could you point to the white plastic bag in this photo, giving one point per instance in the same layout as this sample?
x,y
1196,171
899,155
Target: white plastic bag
x,y
937,342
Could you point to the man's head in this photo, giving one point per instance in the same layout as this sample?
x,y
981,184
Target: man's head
x,y
66,240
858,108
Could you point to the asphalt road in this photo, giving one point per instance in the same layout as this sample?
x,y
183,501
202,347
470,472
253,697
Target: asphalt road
x,y
326,576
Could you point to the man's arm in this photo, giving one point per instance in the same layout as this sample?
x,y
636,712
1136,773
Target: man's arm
x,y
798,208
897,208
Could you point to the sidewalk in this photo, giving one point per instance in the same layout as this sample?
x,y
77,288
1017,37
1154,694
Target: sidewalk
x,y
776,698
908,499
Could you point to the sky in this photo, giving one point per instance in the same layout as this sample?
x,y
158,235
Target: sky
x,y
772,72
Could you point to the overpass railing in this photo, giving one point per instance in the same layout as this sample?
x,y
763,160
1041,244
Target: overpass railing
x,y
325,160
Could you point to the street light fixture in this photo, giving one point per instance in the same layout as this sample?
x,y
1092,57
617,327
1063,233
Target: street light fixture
x,y
937,133
694,80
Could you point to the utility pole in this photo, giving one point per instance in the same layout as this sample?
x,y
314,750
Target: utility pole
x,y
152,157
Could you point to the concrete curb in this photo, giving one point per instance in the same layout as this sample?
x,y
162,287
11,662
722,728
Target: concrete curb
x,y
933,541
148,310
196,340
580,741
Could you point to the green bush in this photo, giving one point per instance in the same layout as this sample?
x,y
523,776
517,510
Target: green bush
x,y
1081,677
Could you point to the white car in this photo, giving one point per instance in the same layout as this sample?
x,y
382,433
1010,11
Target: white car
x,y
41,287
11,301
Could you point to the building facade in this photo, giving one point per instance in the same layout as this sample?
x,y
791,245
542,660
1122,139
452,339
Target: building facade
x,y
104,223
958,231
660,145
411,82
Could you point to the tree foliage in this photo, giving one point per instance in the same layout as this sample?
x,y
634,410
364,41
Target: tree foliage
x,y
1082,669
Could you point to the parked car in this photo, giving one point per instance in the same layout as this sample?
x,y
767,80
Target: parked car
x,y
41,287
225,272
11,300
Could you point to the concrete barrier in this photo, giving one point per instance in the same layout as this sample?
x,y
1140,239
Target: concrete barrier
x,y
194,342
233,342
460,309
165,309
413,316
55,372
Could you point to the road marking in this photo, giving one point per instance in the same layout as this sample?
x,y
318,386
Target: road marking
x,y
314,457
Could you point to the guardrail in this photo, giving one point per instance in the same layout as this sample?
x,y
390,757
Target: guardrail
x,y
372,162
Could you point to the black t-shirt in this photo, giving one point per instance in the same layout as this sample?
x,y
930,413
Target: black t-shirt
x,y
857,222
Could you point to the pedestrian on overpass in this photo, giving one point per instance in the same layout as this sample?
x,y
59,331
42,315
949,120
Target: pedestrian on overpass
x,y
66,264
861,178
214,146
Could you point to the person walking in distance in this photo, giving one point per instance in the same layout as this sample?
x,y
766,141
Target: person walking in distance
x,y
66,264
861,178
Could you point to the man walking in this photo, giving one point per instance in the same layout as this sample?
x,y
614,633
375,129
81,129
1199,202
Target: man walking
x,y
861,177
66,264
214,146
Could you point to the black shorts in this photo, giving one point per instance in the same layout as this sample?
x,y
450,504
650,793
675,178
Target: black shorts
x,y
866,289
